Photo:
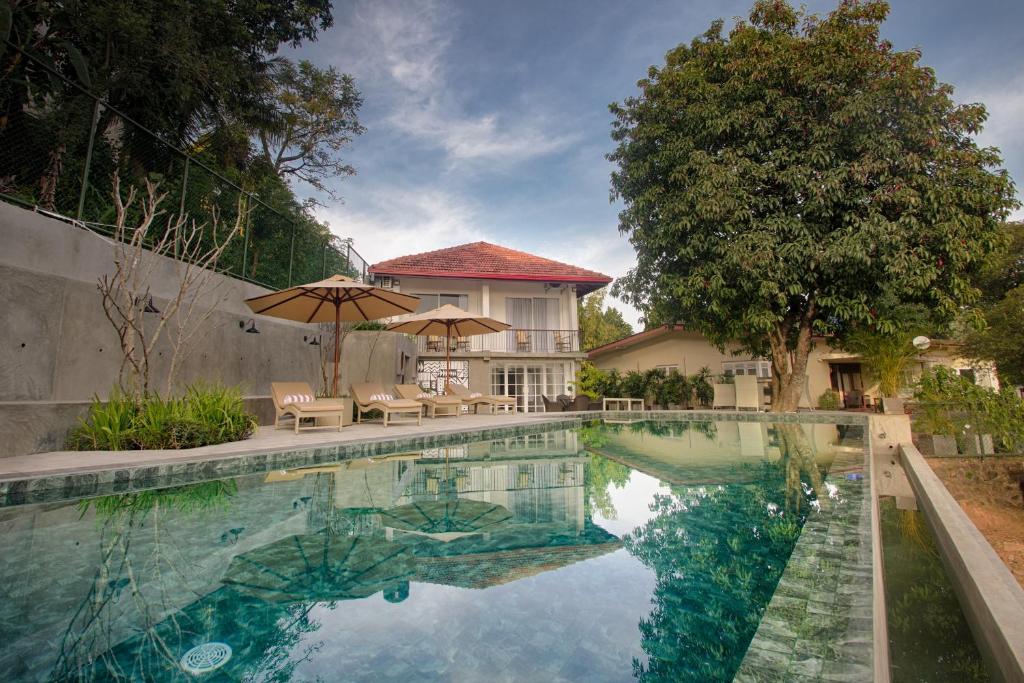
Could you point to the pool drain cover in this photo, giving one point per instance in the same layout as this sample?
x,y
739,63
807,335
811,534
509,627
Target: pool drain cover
x,y
206,658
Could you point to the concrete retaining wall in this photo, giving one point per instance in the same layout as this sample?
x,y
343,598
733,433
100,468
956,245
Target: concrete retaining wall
x,y
990,596
57,349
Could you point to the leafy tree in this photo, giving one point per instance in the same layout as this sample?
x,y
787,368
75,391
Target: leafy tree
x,y
600,324
999,340
312,117
777,180
1001,282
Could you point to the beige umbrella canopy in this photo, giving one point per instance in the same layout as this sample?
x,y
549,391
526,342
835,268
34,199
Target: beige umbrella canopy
x,y
336,299
446,321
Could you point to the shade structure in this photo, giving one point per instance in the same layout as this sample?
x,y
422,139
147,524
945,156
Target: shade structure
x,y
445,321
337,299
451,516
320,568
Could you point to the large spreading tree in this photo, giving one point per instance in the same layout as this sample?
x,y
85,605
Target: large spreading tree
x,y
781,179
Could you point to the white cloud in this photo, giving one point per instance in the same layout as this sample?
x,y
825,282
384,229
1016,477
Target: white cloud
x,y
401,50
393,221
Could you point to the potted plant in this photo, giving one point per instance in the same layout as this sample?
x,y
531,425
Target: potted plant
x,y
703,391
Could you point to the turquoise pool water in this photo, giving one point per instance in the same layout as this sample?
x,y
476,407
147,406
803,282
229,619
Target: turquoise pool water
x,y
698,551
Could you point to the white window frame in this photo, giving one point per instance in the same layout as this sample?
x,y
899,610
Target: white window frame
x,y
761,368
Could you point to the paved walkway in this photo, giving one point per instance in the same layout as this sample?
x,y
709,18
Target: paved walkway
x,y
265,440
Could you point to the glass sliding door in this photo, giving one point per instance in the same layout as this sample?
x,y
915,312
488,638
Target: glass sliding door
x,y
527,382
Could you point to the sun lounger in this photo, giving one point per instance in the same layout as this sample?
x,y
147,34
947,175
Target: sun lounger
x,y
451,405
373,397
474,401
296,399
725,396
748,393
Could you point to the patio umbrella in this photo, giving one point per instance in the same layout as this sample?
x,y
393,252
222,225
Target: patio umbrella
x,y
320,568
447,518
336,299
446,320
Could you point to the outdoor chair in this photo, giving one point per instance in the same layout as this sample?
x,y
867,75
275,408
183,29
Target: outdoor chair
x,y
450,405
725,396
462,344
522,340
563,342
297,400
748,392
373,397
582,402
475,400
435,343
552,406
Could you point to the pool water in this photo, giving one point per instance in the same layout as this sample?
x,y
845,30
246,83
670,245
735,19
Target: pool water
x,y
698,551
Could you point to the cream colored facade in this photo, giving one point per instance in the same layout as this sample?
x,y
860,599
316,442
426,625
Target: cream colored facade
x,y
538,356
827,368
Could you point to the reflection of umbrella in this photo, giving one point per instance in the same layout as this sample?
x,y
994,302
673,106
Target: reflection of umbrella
x,y
449,516
335,299
446,320
320,567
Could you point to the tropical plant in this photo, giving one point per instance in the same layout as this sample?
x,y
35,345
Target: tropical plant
x,y
654,386
633,385
675,389
887,356
702,387
207,414
776,184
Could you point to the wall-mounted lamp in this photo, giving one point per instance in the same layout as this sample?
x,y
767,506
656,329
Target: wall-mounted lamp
x,y
312,340
252,326
149,307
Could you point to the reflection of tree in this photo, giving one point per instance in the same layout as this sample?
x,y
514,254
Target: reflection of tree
x,y
718,553
928,634
139,585
600,474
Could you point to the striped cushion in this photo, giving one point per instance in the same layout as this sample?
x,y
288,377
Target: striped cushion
x,y
296,398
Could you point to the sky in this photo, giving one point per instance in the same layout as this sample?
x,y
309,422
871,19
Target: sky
x,y
488,120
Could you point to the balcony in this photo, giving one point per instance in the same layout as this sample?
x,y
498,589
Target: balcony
x,y
514,341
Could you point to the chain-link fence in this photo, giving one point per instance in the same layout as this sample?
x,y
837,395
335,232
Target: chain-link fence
x,y
64,159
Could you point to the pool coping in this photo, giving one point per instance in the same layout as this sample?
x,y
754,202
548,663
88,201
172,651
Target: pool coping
x,y
989,595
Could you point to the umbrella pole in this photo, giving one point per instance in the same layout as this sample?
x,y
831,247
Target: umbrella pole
x,y
448,357
337,348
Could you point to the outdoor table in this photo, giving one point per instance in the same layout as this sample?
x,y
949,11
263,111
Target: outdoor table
x,y
630,403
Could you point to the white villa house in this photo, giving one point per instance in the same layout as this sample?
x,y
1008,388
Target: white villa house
x,y
535,295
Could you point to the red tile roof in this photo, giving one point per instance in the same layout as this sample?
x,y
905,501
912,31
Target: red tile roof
x,y
487,261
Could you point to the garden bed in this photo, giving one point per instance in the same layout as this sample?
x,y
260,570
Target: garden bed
x,y
988,490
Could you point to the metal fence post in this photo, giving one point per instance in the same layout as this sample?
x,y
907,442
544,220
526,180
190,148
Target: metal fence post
x,y
245,244
181,207
88,158
291,256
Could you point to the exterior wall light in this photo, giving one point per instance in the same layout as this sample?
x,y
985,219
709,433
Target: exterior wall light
x,y
252,326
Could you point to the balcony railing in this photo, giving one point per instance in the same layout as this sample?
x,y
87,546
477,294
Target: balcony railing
x,y
509,341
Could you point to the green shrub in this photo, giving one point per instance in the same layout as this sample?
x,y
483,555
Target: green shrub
x,y
955,406
829,400
634,385
703,391
207,414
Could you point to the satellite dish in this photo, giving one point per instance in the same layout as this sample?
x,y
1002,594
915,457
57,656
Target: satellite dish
x,y
921,343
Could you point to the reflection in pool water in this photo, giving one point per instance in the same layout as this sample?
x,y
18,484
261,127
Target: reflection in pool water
x,y
610,552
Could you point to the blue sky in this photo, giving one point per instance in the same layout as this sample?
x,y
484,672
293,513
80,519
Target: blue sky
x,y
489,120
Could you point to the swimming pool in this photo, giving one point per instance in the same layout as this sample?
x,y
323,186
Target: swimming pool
x,y
657,551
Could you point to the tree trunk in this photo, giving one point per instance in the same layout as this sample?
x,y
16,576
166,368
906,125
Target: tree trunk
x,y
789,361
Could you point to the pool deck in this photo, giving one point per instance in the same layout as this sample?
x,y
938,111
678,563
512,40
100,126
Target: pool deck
x,y
265,440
